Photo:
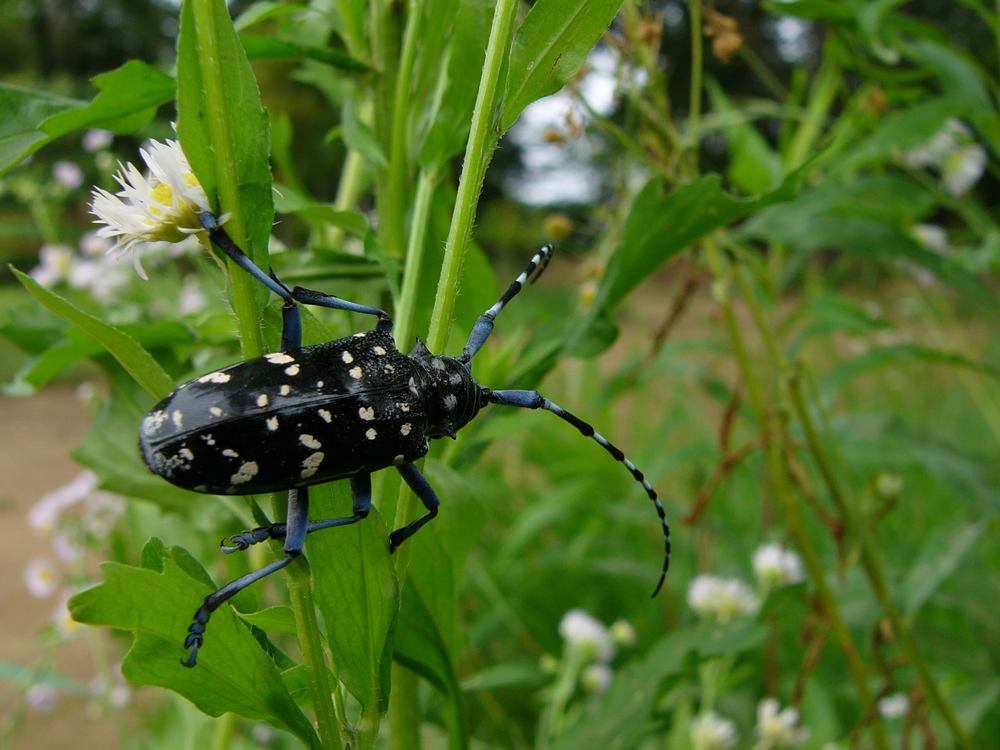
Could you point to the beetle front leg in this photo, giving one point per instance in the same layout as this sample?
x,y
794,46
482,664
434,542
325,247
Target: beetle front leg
x,y
422,489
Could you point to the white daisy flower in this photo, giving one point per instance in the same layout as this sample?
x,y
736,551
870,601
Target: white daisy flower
x,y
582,631
720,598
776,566
43,515
778,728
41,577
709,731
161,207
962,168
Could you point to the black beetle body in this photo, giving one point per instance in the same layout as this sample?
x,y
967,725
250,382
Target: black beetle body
x,y
294,419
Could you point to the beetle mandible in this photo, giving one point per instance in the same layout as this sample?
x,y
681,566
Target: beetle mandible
x,y
307,415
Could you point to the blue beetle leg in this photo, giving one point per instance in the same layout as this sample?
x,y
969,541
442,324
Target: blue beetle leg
x,y
240,542
225,243
422,489
310,297
534,400
295,533
484,324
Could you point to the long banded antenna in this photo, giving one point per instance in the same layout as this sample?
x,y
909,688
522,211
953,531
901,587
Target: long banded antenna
x,y
534,400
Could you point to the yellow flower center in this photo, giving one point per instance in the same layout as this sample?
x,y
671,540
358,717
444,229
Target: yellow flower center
x,y
162,194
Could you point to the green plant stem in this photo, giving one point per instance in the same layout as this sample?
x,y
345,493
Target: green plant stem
x,y
779,480
311,645
398,153
478,150
352,179
404,710
243,287
694,104
824,89
223,731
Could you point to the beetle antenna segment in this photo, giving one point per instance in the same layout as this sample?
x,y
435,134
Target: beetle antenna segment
x,y
484,324
534,400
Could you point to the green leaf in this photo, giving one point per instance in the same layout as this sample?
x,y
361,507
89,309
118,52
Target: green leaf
x,y
754,166
898,132
354,586
265,10
137,361
222,123
550,47
451,113
233,672
279,619
938,559
269,48
127,100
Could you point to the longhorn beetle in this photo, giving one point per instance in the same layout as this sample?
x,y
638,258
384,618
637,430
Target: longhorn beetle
x,y
312,414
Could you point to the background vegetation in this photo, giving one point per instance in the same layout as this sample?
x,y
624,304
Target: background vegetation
x,y
775,288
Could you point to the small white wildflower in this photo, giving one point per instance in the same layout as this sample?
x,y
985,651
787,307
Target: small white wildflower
x,y
65,548
720,598
776,566
102,511
67,174
778,728
931,236
43,515
120,696
622,633
582,631
709,731
41,697
97,140
596,678
41,577
962,168
62,620
933,153
894,706
54,265
164,206
102,279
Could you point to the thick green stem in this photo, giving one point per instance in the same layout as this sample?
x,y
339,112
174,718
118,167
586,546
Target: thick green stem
x,y
404,710
243,288
479,149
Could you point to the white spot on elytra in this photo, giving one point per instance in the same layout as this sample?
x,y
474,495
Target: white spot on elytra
x,y
455,378
450,402
292,370
388,368
178,419
245,473
262,400
398,459
311,463
215,411
186,453
359,335
215,377
347,358
209,440
319,383
285,390
403,406
279,358
405,428
370,434
309,441
325,416
413,387
367,413
153,422
272,423
355,372
230,453
379,350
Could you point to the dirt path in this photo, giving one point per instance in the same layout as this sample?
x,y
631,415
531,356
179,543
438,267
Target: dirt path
x,y
35,441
